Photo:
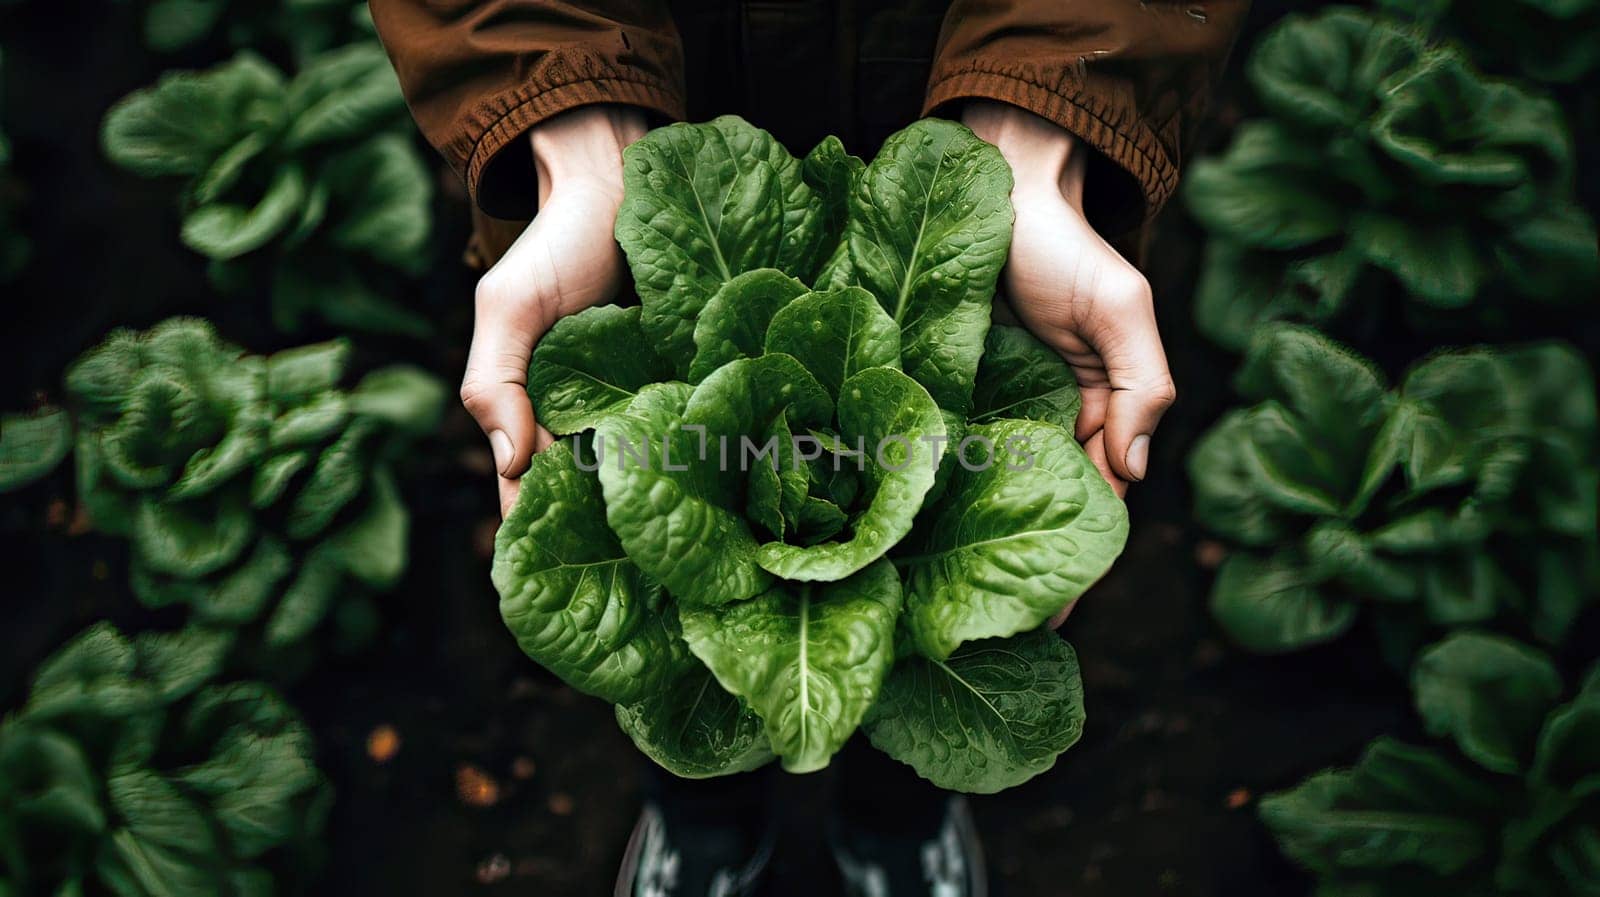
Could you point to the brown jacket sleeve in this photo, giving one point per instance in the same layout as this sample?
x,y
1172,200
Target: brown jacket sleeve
x,y
1129,77
479,73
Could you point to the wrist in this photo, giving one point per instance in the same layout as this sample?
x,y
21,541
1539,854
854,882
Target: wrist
x,y
1042,154
584,146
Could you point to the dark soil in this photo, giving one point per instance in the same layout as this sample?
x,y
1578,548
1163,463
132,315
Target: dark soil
x,y
506,782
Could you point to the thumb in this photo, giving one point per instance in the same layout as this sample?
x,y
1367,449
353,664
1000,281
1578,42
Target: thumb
x,y
494,388
1141,391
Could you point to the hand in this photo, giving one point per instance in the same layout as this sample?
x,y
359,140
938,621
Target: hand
x,y
566,261
1073,291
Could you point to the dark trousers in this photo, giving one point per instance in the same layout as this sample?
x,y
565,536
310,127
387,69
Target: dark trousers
x,y
872,791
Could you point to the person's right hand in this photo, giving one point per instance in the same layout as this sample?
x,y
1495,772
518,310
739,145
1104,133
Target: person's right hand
x,y
566,261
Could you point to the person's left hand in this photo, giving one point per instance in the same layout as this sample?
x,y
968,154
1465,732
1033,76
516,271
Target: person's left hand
x,y
1066,284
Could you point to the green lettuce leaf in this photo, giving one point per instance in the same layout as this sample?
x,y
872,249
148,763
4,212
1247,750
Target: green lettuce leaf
x,y
833,175
192,539
702,204
1004,549
929,229
897,422
778,483
1565,757
694,729
1263,193
46,780
304,372
345,94
808,659
380,199
1449,125
568,592
1488,693
307,599
406,399
178,126
734,323
1327,72
228,230
178,663
1241,288
1276,603
234,597
835,334
1020,377
336,478
1308,442
1227,499
819,520
1440,264
992,715
1400,808
1551,255
679,515
591,365
31,445
372,547
258,777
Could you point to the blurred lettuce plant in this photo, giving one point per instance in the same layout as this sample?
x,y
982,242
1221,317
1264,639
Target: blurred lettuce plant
x,y
1514,810
253,489
304,27
1554,41
126,773
1384,166
311,184
1466,494
31,445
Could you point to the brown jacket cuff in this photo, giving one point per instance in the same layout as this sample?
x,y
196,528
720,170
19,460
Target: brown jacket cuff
x,y
1093,111
498,167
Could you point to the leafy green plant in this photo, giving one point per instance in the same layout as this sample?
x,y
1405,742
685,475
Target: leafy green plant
x,y
1466,494
886,571
1513,811
31,445
310,184
304,27
126,773
1555,41
1386,174
252,489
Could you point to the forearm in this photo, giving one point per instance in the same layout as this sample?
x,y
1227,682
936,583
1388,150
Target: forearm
x,y
1044,157
582,149
478,76
1128,79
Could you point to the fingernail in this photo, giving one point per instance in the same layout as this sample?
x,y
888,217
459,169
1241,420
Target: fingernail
x,y
501,444
1138,456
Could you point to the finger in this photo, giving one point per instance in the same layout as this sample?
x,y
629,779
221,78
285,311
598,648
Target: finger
x,y
1092,413
494,389
542,438
509,489
1095,448
1061,615
1141,392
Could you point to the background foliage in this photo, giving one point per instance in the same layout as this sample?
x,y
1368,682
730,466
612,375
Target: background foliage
x,y
310,183
1412,183
260,495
